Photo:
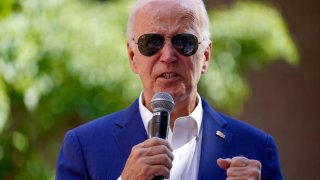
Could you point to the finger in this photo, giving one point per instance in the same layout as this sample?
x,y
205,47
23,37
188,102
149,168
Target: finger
x,y
154,141
237,172
250,171
236,178
224,163
244,172
139,152
239,161
255,163
160,159
159,170
160,149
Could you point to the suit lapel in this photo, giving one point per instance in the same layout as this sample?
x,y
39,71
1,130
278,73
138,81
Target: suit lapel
x,y
213,146
130,130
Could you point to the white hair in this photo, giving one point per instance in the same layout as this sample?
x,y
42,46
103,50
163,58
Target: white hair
x,y
198,5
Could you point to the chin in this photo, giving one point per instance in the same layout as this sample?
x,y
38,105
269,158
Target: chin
x,y
176,93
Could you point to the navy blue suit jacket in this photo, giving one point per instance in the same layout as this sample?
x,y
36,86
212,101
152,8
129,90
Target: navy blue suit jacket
x,y
99,149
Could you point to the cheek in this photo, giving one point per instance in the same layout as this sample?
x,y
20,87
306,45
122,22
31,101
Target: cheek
x,y
145,66
192,71
198,65
197,70
201,64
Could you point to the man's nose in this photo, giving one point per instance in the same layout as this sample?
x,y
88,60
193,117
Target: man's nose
x,y
168,53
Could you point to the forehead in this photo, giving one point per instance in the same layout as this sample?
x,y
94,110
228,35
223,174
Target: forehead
x,y
166,17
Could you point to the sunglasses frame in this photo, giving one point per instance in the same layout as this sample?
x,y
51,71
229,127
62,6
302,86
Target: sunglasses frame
x,y
162,38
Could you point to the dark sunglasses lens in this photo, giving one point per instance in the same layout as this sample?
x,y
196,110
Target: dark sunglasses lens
x,y
150,44
186,44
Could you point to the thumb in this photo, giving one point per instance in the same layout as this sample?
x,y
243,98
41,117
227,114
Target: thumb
x,y
224,163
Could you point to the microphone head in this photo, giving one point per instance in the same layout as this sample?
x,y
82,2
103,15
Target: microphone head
x,y
162,101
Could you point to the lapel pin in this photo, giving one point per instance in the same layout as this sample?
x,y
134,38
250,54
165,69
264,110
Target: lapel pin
x,y
220,134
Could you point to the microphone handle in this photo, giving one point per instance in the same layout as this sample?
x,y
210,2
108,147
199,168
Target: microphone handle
x,y
160,125
158,178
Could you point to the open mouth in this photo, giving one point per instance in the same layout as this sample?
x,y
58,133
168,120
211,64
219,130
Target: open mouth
x,y
168,75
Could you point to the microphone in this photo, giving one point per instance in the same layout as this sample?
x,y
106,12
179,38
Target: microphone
x,y
161,104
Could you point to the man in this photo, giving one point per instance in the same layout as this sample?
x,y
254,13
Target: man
x,y
169,48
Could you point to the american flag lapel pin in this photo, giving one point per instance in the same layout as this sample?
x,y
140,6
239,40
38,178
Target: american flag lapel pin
x,y
220,134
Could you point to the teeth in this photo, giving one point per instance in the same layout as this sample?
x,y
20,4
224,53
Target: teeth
x,y
168,75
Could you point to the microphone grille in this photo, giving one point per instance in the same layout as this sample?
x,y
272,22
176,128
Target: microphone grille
x,y
162,101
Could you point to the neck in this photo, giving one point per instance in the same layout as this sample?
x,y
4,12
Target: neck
x,y
183,108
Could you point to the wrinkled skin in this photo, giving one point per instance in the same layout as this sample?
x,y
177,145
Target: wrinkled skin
x,y
154,157
168,19
241,168
169,71
150,158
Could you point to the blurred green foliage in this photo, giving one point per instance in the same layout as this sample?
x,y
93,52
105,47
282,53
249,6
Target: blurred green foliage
x,y
247,35
63,63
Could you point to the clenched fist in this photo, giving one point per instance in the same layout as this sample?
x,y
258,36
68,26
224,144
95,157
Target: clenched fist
x,y
241,167
148,159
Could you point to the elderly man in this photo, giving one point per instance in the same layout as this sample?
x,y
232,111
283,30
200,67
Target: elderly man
x,y
169,48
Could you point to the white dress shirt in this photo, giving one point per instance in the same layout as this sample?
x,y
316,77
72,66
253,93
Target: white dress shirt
x,y
185,140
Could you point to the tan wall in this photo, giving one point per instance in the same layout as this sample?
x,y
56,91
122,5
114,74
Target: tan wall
x,y
285,100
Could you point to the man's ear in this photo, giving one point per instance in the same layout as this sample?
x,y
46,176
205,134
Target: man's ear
x,y
207,57
131,57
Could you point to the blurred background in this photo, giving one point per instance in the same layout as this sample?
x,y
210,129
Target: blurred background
x,y
63,63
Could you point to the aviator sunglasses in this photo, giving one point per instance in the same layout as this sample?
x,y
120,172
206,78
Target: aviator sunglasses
x,y
186,44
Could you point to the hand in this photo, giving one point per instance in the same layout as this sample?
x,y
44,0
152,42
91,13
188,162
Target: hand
x,y
148,159
241,167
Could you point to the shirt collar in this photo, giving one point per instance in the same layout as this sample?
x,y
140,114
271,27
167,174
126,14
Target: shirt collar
x,y
196,114
146,115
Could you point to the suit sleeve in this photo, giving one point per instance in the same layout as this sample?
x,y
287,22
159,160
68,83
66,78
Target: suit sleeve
x,y
71,163
271,169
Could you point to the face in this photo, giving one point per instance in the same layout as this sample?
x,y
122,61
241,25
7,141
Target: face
x,y
168,70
